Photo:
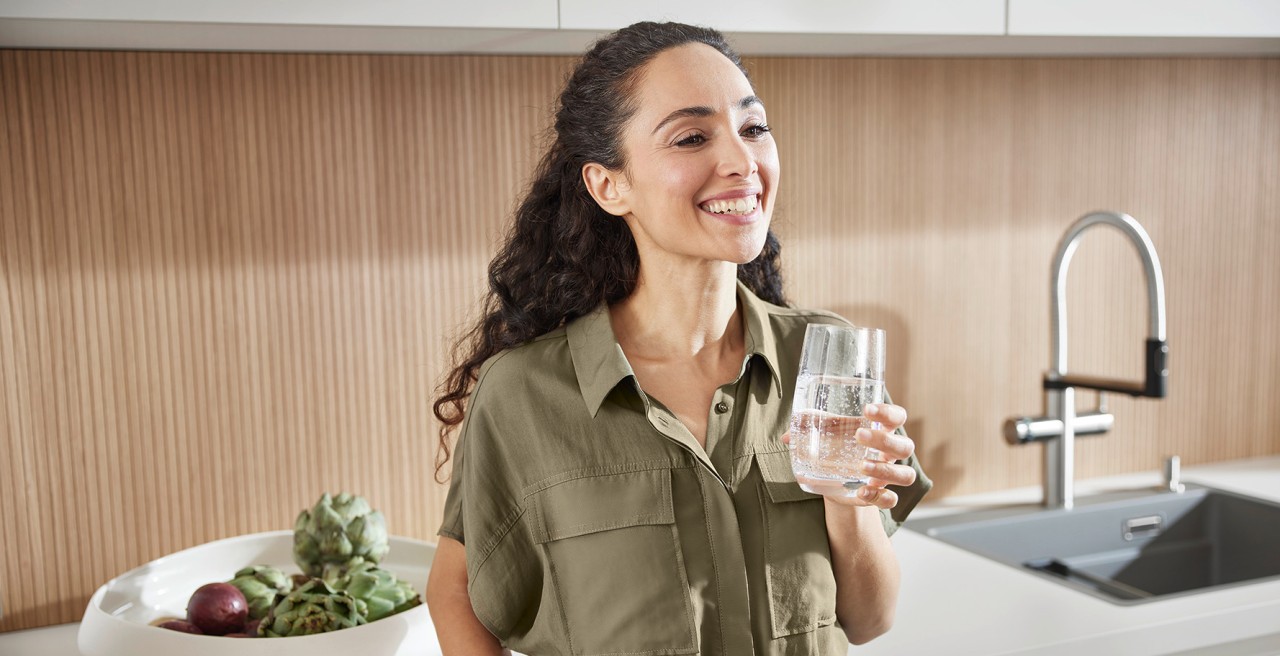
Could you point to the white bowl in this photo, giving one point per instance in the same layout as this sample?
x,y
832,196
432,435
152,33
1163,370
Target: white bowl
x,y
117,621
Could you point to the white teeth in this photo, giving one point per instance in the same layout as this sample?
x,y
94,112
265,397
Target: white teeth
x,y
745,205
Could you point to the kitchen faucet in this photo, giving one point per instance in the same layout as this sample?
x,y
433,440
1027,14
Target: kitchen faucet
x,y
1059,429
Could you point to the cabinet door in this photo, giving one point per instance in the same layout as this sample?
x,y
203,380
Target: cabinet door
x,y
1185,18
395,13
797,16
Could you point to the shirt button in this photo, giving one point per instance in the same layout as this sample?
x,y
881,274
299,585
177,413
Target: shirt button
x,y
722,407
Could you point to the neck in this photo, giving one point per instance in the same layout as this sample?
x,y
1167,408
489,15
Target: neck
x,y
681,312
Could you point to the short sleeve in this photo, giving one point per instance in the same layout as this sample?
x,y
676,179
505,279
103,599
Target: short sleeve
x,y
452,525
485,511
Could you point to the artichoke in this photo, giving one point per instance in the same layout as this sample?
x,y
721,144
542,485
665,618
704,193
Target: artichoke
x,y
378,590
261,585
338,534
312,608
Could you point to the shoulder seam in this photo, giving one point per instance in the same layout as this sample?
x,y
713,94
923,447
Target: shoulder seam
x,y
492,362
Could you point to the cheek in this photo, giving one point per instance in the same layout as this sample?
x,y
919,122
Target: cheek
x,y
680,179
767,160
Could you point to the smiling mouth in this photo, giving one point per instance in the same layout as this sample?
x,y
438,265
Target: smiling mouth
x,y
736,206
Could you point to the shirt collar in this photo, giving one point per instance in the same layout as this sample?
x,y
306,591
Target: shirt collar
x,y
599,363
760,338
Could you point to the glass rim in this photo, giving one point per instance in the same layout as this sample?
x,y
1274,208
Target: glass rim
x,y
879,332
865,345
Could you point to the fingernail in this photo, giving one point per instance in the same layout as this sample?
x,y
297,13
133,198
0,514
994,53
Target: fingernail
x,y
873,408
869,468
863,434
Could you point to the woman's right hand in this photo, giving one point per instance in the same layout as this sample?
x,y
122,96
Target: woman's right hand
x,y
457,627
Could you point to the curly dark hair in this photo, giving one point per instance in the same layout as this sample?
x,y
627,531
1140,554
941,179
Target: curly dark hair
x,y
564,255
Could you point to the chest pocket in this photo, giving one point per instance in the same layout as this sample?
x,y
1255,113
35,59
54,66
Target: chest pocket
x,y
616,565
801,582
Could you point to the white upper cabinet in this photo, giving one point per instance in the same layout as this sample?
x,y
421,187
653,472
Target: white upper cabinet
x,y
972,17
523,14
756,27
1145,18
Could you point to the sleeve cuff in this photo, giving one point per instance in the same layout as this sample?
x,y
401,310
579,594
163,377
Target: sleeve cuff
x,y
444,532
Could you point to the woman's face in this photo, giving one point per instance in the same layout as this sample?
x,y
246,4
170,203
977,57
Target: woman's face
x,y
702,168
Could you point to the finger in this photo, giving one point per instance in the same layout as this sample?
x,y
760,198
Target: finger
x,y
893,446
883,473
890,415
786,438
878,496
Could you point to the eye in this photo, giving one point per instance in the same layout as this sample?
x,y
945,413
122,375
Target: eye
x,y
756,131
692,140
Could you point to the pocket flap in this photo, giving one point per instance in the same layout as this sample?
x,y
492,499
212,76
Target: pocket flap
x,y
601,503
779,480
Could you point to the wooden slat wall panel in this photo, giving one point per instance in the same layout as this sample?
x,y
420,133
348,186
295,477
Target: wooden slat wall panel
x,y
229,281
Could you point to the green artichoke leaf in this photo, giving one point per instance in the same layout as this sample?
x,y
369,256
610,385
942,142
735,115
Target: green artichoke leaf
x,y
337,534
315,607
379,589
262,585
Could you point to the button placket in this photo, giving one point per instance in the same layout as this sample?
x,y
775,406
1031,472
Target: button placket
x,y
721,440
672,429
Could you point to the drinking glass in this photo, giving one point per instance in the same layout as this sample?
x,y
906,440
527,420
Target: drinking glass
x,y
841,372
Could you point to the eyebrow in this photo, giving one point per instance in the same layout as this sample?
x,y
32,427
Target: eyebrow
x,y
701,111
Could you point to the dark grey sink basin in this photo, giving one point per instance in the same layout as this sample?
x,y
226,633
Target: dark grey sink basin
x,y
1129,547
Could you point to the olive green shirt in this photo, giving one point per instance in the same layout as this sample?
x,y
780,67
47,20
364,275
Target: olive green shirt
x,y
594,523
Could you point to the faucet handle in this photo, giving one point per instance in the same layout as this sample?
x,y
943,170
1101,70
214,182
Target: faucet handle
x,y
1102,402
1173,475
1157,380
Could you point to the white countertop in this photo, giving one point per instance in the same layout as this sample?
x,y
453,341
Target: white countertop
x,y
954,602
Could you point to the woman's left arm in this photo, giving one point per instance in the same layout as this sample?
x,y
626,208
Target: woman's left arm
x,y
866,568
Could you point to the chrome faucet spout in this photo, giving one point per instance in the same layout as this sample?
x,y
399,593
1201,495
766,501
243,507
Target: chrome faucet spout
x,y
1067,249
1157,350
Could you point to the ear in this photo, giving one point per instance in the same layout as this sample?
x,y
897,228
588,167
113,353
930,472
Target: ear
x,y
606,188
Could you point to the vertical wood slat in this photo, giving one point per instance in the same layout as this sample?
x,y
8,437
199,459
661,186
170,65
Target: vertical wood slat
x,y
16,454
229,281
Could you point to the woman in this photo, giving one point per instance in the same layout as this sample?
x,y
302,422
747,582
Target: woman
x,y
622,483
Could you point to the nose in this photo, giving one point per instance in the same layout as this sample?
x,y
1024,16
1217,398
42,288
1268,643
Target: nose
x,y
736,158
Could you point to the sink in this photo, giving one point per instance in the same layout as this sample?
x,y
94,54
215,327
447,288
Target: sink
x,y
1128,547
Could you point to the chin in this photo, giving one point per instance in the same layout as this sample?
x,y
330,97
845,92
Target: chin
x,y
748,253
